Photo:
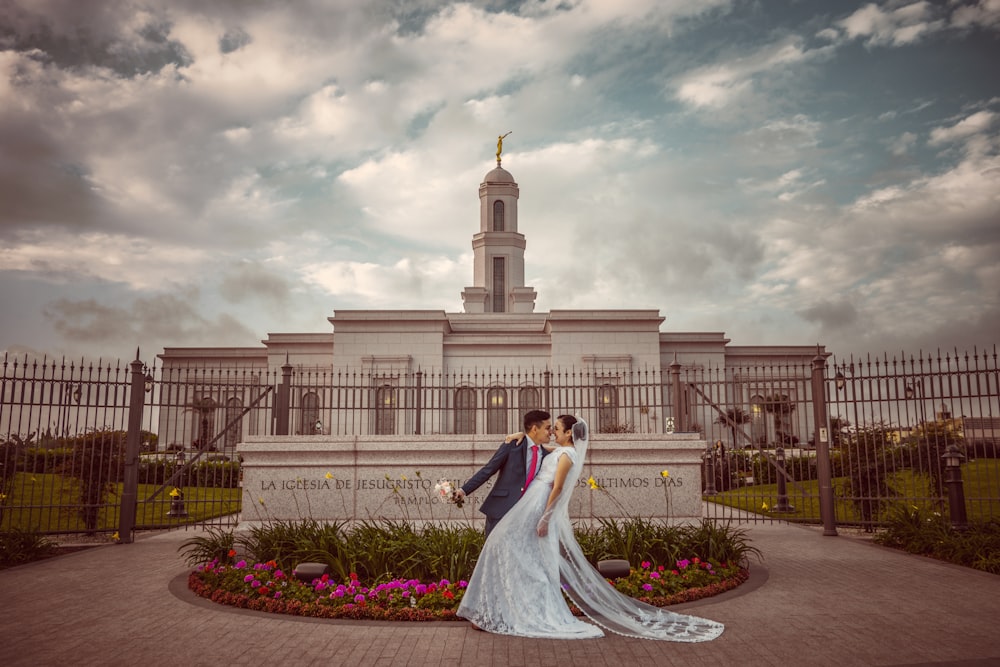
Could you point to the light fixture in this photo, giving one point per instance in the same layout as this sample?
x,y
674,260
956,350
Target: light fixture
x,y
840,380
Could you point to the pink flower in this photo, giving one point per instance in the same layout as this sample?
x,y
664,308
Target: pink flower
x,y
645,564
654,575
647,587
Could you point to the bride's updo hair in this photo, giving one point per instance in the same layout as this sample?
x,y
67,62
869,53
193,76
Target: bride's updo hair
x,y
567,422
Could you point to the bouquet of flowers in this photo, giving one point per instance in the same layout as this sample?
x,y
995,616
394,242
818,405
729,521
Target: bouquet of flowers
x,y
446,491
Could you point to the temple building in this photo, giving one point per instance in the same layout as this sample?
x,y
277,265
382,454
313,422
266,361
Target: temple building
x,y
487,364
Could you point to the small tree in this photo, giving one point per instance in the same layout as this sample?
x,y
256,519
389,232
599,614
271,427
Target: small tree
x,y
779,406
96,463
869,458
732,419
926,447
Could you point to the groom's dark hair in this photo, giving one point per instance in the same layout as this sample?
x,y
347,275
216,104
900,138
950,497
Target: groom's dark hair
x,y
534,418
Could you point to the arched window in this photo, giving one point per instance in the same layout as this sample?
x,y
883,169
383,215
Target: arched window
x,y
498,216
310,415
385,410
203,430
607,408
465,410
758,421
528,399
499,285
496,410
234,408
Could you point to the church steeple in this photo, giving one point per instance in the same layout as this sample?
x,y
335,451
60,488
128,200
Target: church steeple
x,y
498,249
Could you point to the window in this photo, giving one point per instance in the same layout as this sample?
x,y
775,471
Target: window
x,y
499,291
310,415
607,408
204,424
496,410
385,410
234,409
498,216
528,399
758,423
465,410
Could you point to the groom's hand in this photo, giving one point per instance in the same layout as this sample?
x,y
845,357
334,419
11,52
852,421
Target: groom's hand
x,y
459,496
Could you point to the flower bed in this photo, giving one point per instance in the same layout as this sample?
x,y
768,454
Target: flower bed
x,y
265,587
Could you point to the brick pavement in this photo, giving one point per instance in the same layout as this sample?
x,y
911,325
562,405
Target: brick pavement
x,y
815,600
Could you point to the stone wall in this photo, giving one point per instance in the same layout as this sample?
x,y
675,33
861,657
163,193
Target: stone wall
x,y
344,478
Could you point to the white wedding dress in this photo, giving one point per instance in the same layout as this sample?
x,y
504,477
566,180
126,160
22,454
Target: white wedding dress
x,y
514,589
518,584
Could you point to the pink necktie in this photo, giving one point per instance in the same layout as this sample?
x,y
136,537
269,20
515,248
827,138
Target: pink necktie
x,y
531,468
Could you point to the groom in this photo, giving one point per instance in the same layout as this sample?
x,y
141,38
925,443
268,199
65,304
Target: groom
x,y
512,460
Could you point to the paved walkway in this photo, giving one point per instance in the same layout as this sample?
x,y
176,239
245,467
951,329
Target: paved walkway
x,y
814,601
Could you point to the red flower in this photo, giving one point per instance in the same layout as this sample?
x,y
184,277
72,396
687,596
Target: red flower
x,y
264,590
354,576
449,595
695,560
325,577
232,553
431,588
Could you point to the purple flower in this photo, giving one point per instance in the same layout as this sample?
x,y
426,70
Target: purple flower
x,y
654,575
682,564
240,564
247,579
647,587
359,598
255,584
444,583
420,589
463,583
277,595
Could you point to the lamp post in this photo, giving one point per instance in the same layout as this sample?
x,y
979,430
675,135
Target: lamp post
x,y
709,458
782,506
953,458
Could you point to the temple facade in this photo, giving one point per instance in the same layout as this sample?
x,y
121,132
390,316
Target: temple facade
x,y
497,352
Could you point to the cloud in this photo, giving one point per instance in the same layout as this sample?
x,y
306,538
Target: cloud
x,y
146,320
893,27
977,123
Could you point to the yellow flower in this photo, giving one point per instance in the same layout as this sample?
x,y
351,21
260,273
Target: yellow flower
x,y
176,492
329,475
664,473
593,483
764,506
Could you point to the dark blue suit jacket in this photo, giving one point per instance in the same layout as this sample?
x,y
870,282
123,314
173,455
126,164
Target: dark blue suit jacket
x,y
511,464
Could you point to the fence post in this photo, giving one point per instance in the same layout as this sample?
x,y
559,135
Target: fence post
x,y
677,403
822,425
133,440
282,405
419,403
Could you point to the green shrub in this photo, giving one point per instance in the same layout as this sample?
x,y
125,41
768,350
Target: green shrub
x,y
21,546
931,534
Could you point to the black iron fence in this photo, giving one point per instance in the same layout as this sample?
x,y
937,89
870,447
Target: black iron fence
x,y
107,448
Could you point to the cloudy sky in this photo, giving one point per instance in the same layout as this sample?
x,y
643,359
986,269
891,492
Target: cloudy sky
x,y
181,172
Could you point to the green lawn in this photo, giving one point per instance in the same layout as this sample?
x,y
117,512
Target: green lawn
x,y
981,483
46,503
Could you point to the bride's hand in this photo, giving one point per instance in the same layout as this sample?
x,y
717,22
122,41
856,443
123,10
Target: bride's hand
x,y
543,526
514,436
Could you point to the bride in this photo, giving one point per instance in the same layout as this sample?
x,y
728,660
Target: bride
x,y
515,588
